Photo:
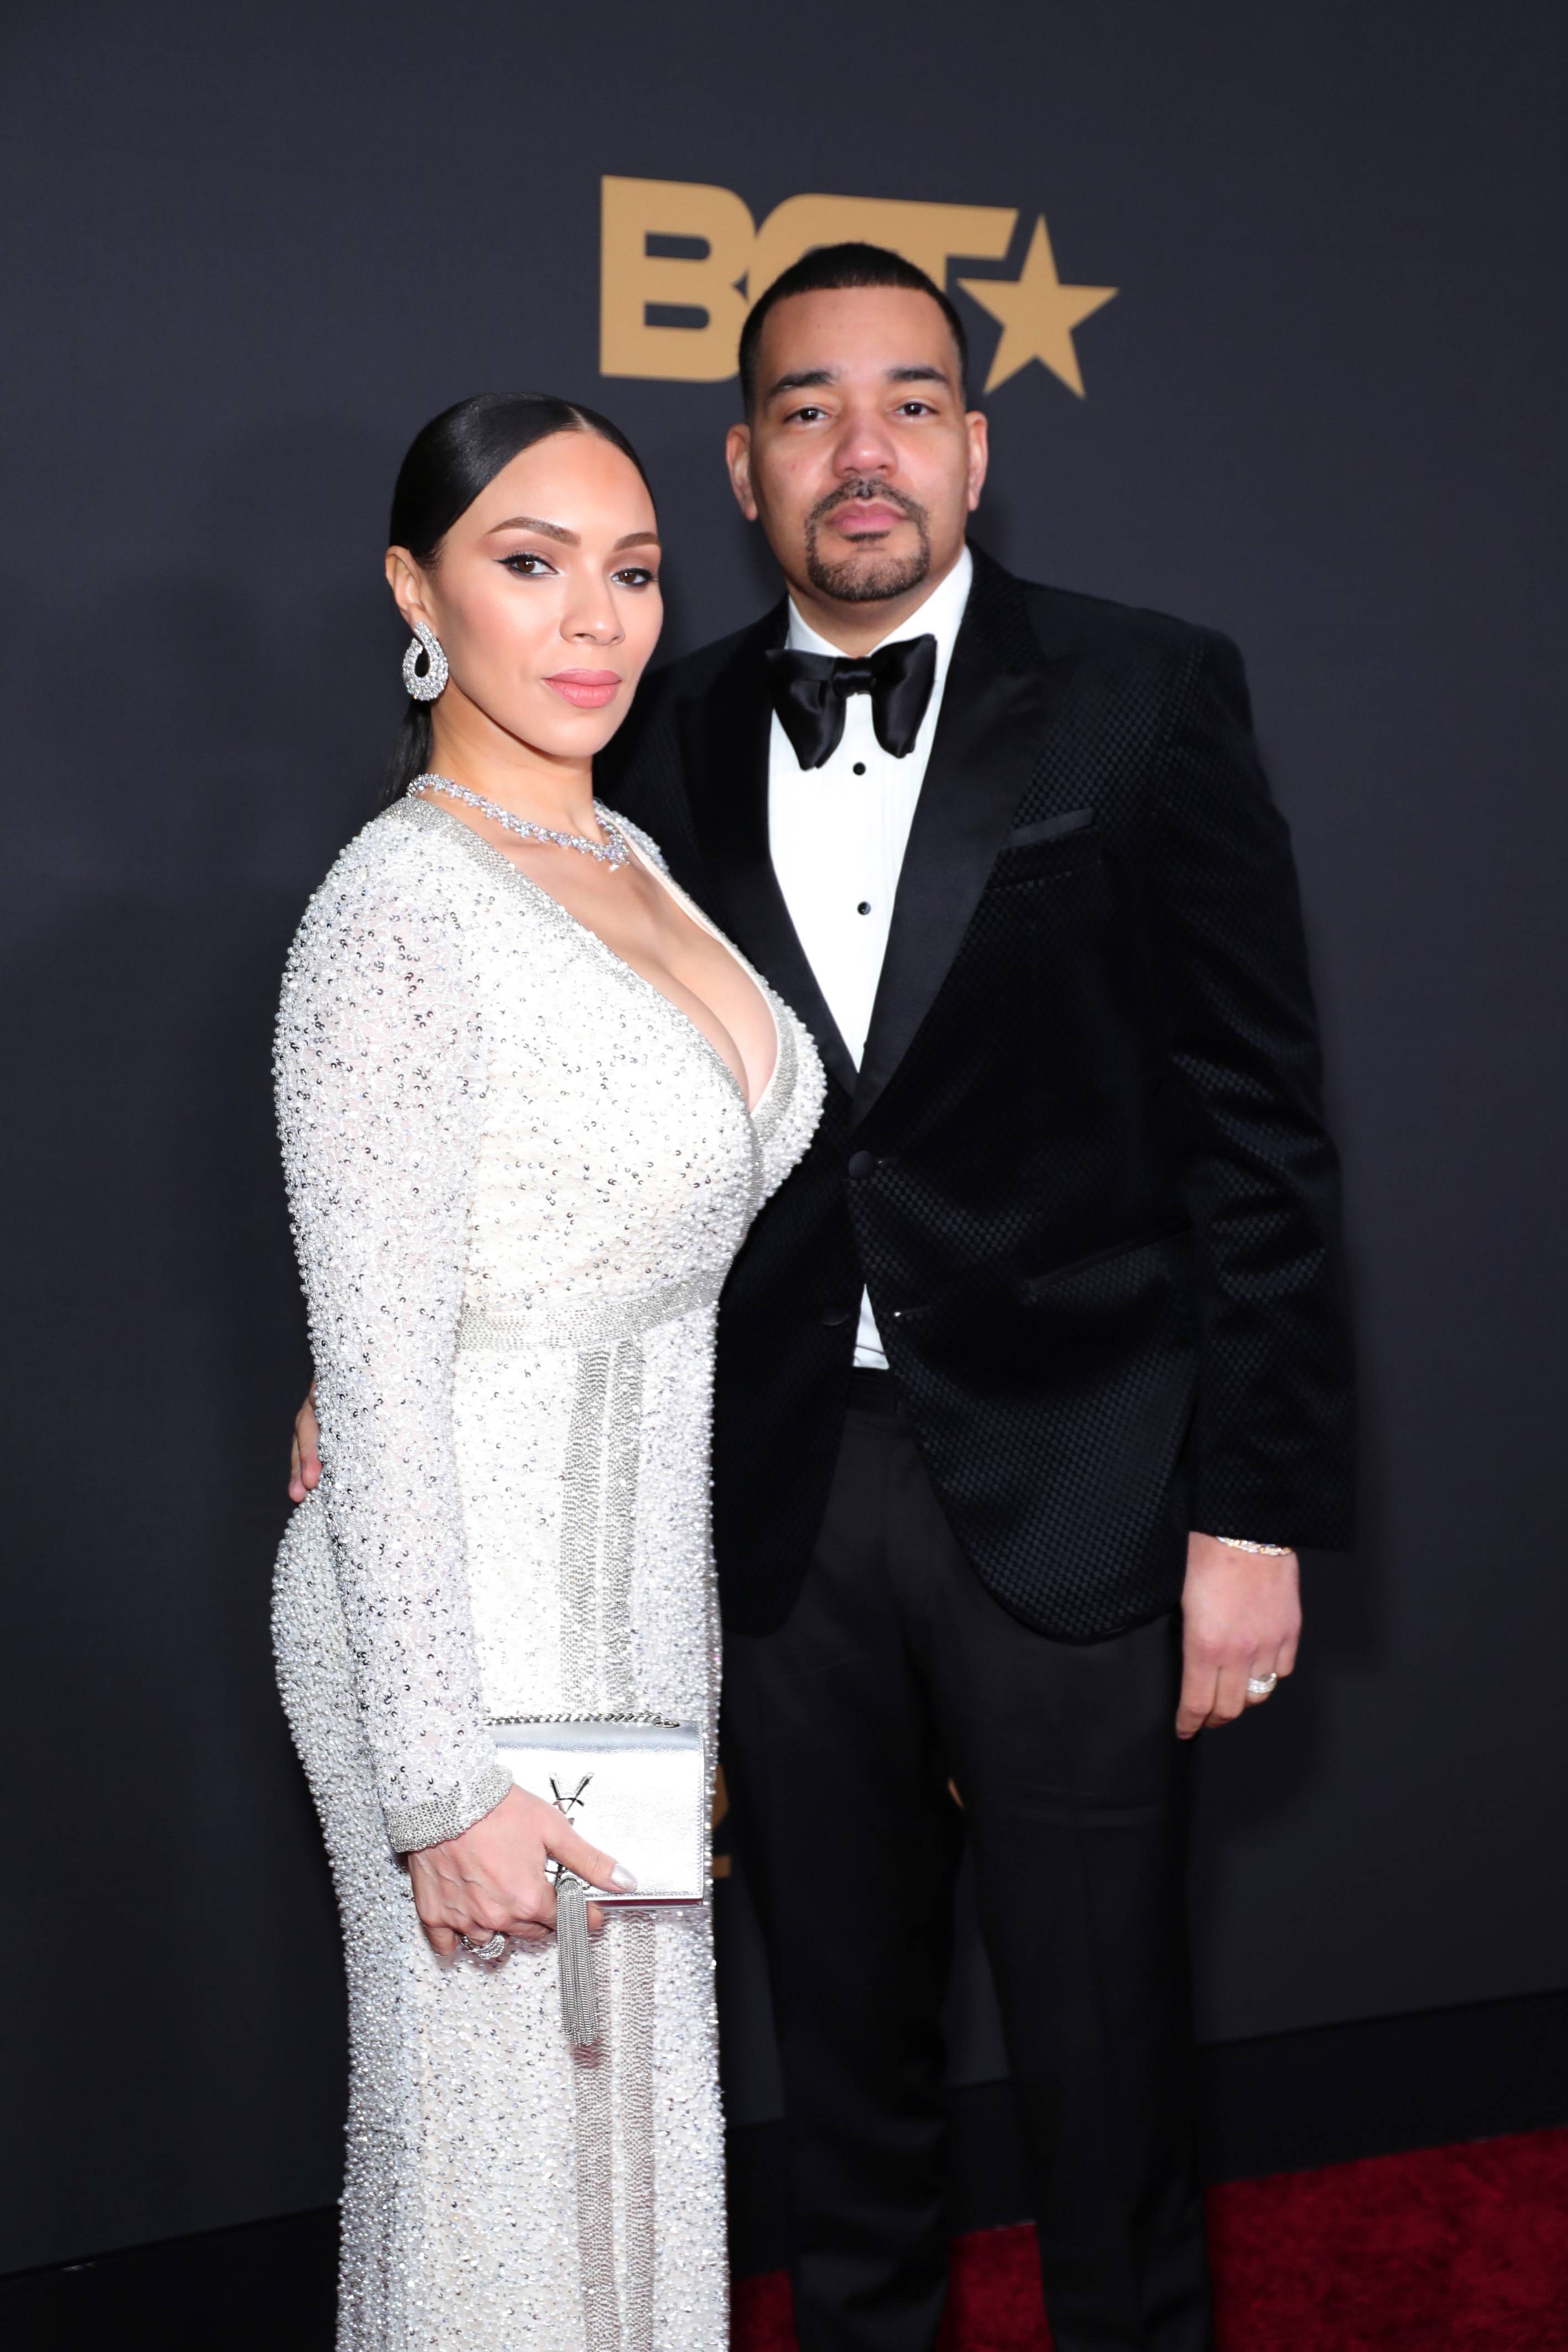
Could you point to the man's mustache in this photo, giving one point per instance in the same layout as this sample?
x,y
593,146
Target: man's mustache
x,y
867,487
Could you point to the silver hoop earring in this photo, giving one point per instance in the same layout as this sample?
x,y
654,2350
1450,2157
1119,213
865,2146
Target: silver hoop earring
x,y
424,687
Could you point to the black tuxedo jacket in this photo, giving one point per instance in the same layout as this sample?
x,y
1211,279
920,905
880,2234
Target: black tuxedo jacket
x,y
1082,1167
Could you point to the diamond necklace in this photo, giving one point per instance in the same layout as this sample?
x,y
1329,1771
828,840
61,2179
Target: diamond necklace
x,y
612,851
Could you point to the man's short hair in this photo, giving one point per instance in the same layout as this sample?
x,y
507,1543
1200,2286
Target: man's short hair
x,y
828,268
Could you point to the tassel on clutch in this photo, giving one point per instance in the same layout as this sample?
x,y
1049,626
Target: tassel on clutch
x,y
579,1998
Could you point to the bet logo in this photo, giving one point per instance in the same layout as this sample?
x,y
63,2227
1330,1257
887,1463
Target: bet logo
x,y
680,264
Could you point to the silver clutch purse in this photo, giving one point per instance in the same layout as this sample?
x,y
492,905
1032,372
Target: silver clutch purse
x,y
636,1788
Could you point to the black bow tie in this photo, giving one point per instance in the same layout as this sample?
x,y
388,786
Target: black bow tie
x,y
809,691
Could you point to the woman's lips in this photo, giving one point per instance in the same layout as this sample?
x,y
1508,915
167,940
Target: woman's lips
x,y
589,689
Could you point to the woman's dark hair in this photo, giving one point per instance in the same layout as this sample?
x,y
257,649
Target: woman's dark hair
x,y
449,461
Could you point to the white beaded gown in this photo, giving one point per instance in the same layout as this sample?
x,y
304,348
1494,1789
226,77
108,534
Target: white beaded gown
x,y
518,1176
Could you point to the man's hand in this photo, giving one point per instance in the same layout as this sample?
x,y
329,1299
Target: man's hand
x,y
305,1462
1241,1617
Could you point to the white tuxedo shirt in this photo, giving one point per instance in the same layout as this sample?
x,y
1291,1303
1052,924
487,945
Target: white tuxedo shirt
x,y
837,835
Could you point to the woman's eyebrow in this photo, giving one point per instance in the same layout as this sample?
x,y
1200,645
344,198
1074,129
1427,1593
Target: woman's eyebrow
x,y
547,529
565,537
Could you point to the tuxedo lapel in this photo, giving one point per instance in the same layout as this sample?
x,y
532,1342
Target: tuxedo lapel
x,y
994,708
724,742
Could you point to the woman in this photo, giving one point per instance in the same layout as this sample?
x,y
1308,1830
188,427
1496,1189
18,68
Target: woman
x,y
530,1101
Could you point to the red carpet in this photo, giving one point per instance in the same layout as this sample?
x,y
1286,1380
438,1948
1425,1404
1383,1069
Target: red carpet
x,y
1449,2246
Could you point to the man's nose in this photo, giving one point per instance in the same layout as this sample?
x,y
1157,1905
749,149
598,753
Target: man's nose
x,y
865,446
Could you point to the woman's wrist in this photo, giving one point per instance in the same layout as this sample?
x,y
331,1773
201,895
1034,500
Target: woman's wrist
x,y
431,1822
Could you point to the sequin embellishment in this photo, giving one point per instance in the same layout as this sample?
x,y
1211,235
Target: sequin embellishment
x,y
517,1177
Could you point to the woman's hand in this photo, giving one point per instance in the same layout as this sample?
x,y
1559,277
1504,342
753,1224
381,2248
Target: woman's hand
x,y
490,1880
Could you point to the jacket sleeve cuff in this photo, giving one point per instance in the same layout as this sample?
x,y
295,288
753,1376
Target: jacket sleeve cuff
x,y
409,1827
1324,1521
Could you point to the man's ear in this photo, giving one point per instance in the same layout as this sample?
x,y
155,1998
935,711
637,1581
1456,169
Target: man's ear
x,y
979,454
738,458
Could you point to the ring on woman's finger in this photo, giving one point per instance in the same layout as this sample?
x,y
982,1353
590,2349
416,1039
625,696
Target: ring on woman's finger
x,y
1258,1687
492,1948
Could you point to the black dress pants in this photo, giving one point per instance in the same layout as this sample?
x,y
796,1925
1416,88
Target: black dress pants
x,y
894,1671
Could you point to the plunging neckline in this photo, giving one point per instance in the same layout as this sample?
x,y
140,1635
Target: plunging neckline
x,y
490,854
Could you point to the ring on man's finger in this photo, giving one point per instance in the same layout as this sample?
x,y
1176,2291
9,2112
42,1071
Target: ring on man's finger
x,y
1258,1687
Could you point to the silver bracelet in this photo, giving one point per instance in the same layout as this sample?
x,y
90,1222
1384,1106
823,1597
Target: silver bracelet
x,y
1264,1551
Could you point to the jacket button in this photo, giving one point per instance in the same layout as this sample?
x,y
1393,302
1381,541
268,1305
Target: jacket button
x,y
862,1164
834,1315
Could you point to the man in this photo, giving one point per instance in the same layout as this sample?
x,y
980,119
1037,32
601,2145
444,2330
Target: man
x,y
1036,1371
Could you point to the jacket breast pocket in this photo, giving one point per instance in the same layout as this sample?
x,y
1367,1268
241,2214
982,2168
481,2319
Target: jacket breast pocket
x,y
1049,849
1052,828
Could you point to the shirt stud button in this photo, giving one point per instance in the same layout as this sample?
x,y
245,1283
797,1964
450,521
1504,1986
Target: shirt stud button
x,y
864,908
862,1164
860,767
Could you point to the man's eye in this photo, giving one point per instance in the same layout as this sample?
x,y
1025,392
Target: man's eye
x,y
805,414
916,408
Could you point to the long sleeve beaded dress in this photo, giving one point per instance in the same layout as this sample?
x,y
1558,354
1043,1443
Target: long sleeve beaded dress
x,y
518,1176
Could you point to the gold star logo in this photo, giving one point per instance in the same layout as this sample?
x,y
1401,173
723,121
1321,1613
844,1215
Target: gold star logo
x,y
1037,313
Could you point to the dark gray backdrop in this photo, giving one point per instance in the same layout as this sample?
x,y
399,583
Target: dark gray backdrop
x,y
249,250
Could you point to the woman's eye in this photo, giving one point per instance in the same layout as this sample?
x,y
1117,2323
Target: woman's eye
x,y
636,575
526,565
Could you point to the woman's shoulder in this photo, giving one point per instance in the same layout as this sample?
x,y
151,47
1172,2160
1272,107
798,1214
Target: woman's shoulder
x,y
381,967
409,845
411,861
394,888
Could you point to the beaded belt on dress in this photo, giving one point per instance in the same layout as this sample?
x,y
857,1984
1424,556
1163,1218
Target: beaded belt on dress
x,y
588,1322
